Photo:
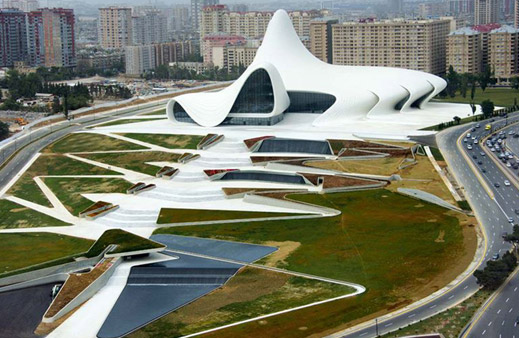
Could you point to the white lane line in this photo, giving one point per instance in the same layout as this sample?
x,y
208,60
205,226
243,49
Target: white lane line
x,y
388,324
506,301
499,311
411,316
490,323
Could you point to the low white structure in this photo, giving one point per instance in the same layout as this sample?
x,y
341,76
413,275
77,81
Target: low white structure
x,y
286,78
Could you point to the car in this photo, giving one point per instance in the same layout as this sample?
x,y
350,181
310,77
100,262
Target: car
x,y
473,137
474,157
492,149
504,234
515,166
469,147
516,320
478,125
480,162
465,140
501,155
473,130
508,165
507,182
475,141
483,170
510,157
510,220
468,135
495,256
516,135
496,185
482,153
511,132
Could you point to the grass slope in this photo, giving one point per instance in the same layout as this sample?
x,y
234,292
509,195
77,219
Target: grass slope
x,y
198,215
84,142
69,190
125,121
167,140
13,215
251,293
135,160
21,250
51,164
399,248
125,241
502,97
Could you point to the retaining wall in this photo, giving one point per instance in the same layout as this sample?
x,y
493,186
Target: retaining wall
x,y
86,294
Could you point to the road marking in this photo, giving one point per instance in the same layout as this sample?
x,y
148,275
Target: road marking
x,y
432,307
506,301
483,333
411,316
510,310
451,297
515,289
499,311
363,334
388,324
490,323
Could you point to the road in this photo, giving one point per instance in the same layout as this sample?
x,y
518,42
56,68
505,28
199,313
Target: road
x,y
46,136
489,204
499,317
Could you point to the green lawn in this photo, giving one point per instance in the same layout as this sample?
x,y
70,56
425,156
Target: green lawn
x,y
51,164
399,248
167,216
167,140
86,142
252,292
134,160
125,121
124,240
13,215
502,97
69,190
21,250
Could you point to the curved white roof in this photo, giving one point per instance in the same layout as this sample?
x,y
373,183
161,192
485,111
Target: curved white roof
x,y
361,92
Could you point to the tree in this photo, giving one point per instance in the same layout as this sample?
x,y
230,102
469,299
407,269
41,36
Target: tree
x,y
464,85
487,107
56,105
493,275
486,78
473,108
4,130
65,107
452,82
456,119
514,83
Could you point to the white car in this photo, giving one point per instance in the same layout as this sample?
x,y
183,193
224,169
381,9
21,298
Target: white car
x,y
469,147
492,149
511,132
508,165
507,183
475,141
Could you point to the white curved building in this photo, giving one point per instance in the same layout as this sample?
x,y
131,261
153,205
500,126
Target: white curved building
x,y
286,78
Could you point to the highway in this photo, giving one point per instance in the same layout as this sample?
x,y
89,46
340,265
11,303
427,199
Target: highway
x,y
500,315
492,207
45,136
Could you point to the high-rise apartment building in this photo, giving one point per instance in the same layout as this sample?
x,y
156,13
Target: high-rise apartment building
x,y
465,51
196,11
23,5
516,14
486,11
115,27
51,39
13,37
503,50
411,44
251,25
149,27
238,55
218,40
140,59
321,38
395,6
460,7
177,19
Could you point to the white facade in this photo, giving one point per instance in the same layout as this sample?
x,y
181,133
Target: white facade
x,y
358,92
